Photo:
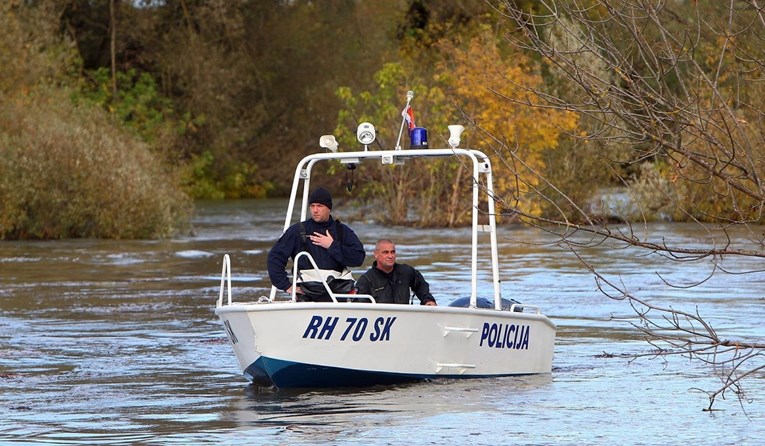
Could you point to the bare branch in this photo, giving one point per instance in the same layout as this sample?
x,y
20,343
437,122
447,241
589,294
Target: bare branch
x,y
676,90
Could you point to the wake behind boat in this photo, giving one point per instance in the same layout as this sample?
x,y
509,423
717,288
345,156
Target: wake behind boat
x,y
353,341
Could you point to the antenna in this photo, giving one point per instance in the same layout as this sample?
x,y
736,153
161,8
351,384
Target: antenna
x,y
409,97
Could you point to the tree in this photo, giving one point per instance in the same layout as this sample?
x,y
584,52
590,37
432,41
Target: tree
x,y
393,186
492,89
66,169
468,70
678,86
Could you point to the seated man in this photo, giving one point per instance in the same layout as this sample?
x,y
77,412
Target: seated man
x,y
390,282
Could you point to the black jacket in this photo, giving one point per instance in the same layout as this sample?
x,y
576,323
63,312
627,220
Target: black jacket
x,y
394,287
345,251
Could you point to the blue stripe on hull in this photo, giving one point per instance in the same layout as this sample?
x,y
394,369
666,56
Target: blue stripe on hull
x,y
287,374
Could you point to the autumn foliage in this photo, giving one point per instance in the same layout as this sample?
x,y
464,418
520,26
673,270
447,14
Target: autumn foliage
x,y
493,93
475,84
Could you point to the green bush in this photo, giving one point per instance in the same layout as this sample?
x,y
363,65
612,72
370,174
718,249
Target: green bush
x,y
137,103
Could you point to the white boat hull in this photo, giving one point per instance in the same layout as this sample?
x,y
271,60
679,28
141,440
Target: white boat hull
x,y
360,344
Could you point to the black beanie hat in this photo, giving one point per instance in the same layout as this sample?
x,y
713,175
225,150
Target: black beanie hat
x,y
321,196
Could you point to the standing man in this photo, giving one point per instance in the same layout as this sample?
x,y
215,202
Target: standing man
x,y
333,245
390,282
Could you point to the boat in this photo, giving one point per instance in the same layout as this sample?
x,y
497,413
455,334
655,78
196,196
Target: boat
x,y
353,341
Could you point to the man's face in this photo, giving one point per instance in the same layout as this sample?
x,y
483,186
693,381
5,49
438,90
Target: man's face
x,y
319,212
385,254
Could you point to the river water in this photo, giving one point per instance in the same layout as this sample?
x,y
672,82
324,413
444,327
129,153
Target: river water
x,y
116,342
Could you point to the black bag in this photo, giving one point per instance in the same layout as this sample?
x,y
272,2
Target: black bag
x,y
315,291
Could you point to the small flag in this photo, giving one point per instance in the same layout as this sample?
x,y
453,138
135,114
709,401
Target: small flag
x,y
408,115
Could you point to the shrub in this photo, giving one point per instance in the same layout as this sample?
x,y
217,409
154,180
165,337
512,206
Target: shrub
x,y
67,171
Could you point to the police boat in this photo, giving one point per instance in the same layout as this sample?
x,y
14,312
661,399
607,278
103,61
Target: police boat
x,y
353,341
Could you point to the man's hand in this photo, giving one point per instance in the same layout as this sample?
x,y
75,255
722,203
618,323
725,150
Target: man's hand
x,y
323,240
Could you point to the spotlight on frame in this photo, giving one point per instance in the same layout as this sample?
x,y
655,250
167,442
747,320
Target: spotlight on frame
x,y
365,133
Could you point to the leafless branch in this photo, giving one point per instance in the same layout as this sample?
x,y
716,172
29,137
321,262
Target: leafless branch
x,y
677,88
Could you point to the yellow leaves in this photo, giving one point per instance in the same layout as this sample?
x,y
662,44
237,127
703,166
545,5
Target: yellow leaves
x,y
498,93
495,88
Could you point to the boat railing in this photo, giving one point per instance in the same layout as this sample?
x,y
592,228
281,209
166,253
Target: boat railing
x,y
225,287
332,294
225,281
